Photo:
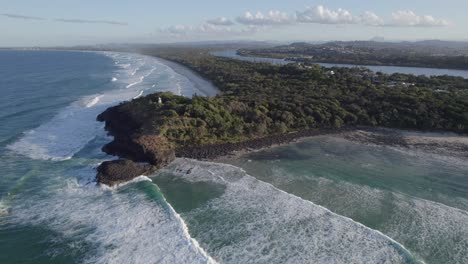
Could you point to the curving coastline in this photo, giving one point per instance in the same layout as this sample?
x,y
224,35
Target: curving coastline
x,y
141,152
149,132
203,85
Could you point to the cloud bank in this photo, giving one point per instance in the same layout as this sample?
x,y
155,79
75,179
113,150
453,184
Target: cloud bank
x,y
273,17
220,21
322,15
407,18
206,29
253,22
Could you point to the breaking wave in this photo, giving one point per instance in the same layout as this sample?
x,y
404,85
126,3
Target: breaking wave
x,y
123,226
74,126
252,221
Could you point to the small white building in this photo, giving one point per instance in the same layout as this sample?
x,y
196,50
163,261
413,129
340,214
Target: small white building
x,y
159,100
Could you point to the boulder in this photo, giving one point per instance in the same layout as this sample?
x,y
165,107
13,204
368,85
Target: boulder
x,y
122,170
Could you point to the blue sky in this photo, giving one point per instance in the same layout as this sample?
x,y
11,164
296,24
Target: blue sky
x,y
64,22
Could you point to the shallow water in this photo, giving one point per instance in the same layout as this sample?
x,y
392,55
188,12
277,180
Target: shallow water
x,y
325,200
420,200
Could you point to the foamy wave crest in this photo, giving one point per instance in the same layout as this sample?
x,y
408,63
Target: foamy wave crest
x,y
134,71
254,221
3,208
139,95
137,82
63,136
114,79
93,101
73,127
124,227
413,222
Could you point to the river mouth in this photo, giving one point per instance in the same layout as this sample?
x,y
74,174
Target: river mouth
x,y
384,69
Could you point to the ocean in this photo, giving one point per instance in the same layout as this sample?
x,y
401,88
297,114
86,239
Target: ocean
x,y
321,200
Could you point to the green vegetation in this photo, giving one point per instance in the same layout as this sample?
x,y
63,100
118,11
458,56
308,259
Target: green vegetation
x,y
369,53
262,99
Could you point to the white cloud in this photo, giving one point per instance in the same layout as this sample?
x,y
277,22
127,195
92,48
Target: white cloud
x,y
251,23
407,18
207,30
371,19
220,21
269,19
322,15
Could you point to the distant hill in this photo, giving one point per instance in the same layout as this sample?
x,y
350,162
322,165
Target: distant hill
x,y
430,47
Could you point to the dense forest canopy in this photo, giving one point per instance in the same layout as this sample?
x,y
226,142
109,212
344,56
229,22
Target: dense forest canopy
x,y
262,99
421,54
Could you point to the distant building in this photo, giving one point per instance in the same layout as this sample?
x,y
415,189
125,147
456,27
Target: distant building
x,y
159,100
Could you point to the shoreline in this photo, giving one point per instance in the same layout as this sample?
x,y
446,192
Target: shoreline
x,y
143,155
205,86
216,152
440,143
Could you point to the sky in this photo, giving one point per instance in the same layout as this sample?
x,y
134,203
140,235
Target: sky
x,y
83,22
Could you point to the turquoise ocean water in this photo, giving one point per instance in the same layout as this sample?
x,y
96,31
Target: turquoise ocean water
x,y
324,200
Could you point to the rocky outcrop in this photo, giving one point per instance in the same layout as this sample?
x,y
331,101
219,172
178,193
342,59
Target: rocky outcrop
x,y
223,149
140,152
122,170
135,127
152,149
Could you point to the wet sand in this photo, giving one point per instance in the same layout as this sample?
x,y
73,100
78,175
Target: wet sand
x,y
205,86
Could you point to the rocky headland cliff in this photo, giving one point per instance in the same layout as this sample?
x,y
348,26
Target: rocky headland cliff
x,y
150,132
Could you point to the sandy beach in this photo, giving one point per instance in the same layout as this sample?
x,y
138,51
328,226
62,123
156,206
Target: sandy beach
x,y
448,144
199,82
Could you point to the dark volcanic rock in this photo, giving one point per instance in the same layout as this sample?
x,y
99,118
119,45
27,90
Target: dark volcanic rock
x,y
137,140
132,145
145,148
223,149
122,170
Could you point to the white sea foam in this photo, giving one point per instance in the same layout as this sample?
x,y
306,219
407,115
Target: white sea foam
x,y
73,127
261,223
431,222
134,71
410,220
139,95
124,227
137,82
3,208
61,137
140,178
93,101
114,79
